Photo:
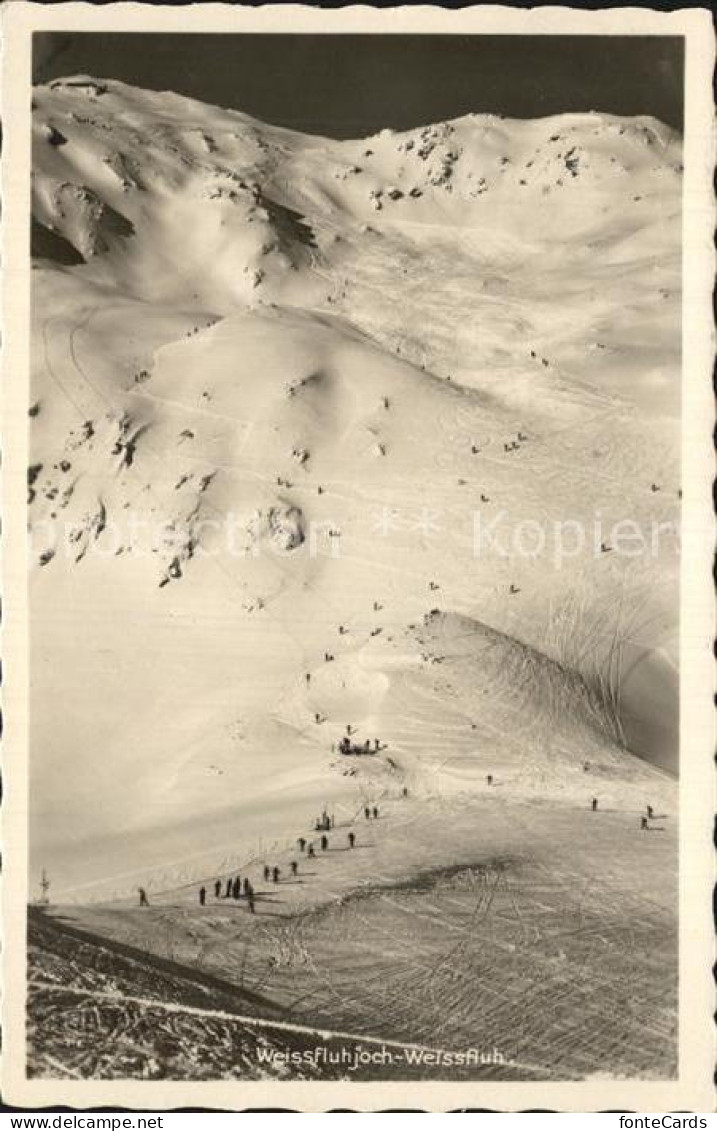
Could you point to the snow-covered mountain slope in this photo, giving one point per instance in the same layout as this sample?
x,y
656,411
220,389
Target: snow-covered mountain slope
x,y
292,399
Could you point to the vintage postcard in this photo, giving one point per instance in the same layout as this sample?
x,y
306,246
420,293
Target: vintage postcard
x,y
356,557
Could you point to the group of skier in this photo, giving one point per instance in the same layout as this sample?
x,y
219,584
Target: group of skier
x,y
645,818
324,823
347,747
232,888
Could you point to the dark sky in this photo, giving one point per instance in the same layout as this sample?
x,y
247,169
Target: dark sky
x,y
349,85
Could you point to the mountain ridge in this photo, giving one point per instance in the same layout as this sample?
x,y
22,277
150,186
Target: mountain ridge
x,y
316,387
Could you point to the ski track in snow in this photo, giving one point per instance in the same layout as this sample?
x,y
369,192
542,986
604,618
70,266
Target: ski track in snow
x,y
256,1022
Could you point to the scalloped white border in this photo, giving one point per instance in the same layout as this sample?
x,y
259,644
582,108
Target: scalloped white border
x,y
693,1090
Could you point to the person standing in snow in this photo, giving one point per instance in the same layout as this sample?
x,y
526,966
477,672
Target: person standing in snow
x,y
375,812
367,813
267,871
352,840
594,804
301,843
324,843
217,889
236,888
202,896
294,867
228,890
276,874
250,900
143,901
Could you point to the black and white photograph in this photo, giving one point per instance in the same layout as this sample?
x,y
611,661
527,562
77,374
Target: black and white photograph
x,y
354,488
